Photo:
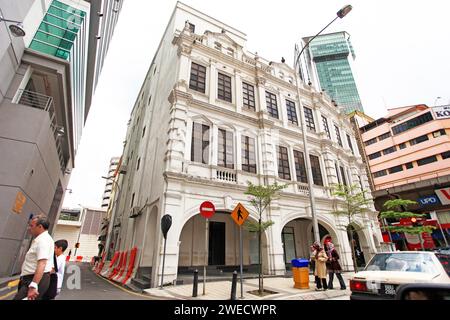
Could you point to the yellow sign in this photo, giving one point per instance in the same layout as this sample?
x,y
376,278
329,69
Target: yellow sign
x,y
239,214
20,201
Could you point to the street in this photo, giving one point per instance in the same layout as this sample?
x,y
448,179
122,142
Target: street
x,y
91,287
94,287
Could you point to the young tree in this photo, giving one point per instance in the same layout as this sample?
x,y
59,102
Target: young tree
x,y
261,197
356,204
396,209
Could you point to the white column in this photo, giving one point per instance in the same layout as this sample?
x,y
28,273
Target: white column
x,y
292,164
345,251
275,251
261,104
188,146
213,145
317,119
238,91
184,71
212,82
282,109
238,149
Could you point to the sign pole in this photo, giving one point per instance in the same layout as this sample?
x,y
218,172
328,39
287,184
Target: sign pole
x,y
241,258
166,223
206,255
207,210
164,260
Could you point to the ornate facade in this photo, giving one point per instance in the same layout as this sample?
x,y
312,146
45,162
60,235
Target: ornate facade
x,y
210,117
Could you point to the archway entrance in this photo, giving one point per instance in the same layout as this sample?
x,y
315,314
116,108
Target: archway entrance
x,y
223,253
297,236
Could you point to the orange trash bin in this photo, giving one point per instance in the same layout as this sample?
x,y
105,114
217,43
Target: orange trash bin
x,y
300,272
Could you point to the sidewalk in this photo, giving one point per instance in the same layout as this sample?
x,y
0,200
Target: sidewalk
x,y
221,290
8,286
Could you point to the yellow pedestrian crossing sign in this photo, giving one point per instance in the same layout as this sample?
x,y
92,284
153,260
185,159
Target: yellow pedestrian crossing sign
x,y
239,214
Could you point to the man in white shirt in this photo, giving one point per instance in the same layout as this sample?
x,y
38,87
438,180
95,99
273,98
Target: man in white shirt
x,y
35,275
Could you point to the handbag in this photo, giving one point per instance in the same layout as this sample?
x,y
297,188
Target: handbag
x,y
53,286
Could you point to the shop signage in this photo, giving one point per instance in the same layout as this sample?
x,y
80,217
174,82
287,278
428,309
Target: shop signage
x,y
429,200
444,195
442,112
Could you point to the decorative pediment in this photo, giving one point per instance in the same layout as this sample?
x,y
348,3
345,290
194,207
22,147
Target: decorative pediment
x,y
223,38
283,67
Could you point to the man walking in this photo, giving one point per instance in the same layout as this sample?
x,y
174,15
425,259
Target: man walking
x,y
35,275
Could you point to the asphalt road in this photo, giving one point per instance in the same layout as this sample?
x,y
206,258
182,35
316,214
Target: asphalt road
x,y
81,283
92,286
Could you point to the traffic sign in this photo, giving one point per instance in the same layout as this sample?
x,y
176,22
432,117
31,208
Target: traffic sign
x,y
239,214
207,209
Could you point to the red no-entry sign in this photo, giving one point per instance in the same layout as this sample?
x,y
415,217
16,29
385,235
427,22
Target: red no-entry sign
x,y
207,209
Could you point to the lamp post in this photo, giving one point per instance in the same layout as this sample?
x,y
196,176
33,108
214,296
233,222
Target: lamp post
x,y
83,214
113,215
340,14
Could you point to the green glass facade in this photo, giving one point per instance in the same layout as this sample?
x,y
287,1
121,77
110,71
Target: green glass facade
x,y
63,33
58,30
330,54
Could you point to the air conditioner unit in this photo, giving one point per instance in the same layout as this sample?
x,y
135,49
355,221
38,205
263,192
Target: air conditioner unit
x,y
135,212
123,169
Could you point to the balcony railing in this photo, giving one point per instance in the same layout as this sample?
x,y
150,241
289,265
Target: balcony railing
x,y
226,175
43,102
69,217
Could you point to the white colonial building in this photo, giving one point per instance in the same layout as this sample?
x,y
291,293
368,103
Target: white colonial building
x,y
210,117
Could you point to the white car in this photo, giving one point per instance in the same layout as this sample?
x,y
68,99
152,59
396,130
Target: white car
x,y
387,270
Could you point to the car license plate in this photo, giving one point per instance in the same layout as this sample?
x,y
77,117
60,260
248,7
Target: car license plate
x,y
389,289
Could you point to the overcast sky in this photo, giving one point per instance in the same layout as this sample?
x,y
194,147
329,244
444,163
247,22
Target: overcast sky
x,y
402,58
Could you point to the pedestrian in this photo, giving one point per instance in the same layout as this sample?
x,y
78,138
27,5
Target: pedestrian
x,y
35,274
57,273
334,267
320,273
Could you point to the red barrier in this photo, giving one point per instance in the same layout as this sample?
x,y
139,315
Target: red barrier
x,y
112,264
67,258
119,266
130,265
79,258
114,259
100,264
122,268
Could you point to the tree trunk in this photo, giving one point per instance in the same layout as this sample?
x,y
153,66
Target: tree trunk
x,y
421,242
355,266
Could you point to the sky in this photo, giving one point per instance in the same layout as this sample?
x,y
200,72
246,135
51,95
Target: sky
x,y
402,58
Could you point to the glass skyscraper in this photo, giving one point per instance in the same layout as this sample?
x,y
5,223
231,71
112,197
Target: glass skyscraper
x,y
329,62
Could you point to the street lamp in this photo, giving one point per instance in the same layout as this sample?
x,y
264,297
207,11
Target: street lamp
x,y
340,14
111,221
83,214
16,29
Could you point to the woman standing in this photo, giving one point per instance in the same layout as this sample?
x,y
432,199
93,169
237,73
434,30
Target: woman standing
x,y
320,257
334,267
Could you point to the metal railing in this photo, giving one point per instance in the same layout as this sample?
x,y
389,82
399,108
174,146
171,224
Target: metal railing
x,y
69,217
43,102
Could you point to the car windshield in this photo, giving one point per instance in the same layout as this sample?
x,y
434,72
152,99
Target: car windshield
x,y
408,262
445,261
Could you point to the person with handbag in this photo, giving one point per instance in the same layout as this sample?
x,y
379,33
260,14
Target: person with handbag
x,y
334,267
320,257
57,274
